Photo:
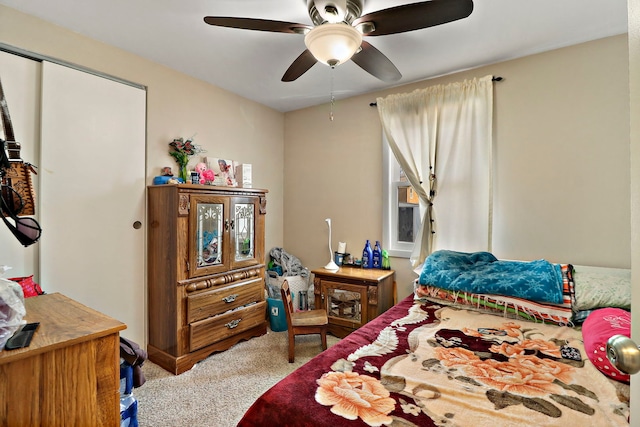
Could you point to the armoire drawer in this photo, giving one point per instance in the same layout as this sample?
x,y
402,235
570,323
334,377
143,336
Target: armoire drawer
x,y
213,302
217,328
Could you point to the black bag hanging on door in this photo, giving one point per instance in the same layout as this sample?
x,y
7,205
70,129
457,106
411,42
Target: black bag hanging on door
x,y
17,193
26,229
16,173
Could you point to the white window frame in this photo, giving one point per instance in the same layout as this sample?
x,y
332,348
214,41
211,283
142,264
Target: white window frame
x,y
390,185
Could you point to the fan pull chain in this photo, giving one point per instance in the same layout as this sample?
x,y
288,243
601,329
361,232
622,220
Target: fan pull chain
x,y
333,99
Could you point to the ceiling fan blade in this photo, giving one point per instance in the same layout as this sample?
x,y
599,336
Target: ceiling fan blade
x,y
301,65
376,63
258,24
415,16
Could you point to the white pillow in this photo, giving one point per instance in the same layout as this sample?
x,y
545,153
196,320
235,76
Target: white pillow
x,y
598,287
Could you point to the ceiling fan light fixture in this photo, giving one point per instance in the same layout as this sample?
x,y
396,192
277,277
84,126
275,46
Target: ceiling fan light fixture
x,y
333,44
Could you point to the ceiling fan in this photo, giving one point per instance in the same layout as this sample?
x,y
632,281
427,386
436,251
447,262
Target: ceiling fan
x,y
338,28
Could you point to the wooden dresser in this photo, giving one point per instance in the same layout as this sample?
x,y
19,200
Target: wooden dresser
x,y
70,373
205,271
353,296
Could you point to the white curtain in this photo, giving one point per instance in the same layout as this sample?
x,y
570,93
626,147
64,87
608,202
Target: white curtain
x,y
442,139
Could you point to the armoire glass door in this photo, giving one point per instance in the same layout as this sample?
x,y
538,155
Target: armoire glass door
x,y
208,245
209,233
244,219
243,212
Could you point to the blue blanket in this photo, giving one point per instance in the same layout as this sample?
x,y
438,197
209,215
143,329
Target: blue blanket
x,y
483,273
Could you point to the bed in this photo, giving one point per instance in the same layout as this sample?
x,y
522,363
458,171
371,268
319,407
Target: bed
x,y
454,358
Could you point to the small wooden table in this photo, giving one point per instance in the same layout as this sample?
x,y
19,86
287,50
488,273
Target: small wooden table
x,y
70,373
353,296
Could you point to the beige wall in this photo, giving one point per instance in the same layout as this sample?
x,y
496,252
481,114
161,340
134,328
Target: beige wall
x,y
562,148
225,124
561,163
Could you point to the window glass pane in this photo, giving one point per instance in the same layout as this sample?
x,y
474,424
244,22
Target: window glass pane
x,y
401,209
405,224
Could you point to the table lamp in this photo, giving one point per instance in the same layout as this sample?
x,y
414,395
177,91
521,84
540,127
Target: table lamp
x,y
331,265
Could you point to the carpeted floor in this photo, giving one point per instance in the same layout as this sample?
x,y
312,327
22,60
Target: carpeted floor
x,y
217,391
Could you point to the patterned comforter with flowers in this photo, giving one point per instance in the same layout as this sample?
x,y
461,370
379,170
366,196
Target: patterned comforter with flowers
x,y
422,364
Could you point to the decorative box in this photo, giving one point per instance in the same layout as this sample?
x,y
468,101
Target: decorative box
x,y
243,175
407,195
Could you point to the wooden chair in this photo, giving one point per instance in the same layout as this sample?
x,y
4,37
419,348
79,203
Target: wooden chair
x,y
302,322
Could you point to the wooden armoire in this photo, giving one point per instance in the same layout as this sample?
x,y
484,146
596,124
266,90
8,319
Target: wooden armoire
x,y
205,271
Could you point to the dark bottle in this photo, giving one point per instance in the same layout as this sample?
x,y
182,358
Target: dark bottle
x,y
367,256
377,256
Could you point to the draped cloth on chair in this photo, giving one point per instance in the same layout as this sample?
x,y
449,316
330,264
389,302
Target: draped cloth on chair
x,y
442,137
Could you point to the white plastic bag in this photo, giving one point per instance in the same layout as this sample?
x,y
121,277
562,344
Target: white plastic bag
x,y
11,309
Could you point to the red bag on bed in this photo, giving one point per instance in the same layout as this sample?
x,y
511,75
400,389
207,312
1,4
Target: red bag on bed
x,y
601,325
29,287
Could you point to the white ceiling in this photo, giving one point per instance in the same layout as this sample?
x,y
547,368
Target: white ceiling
x,y
251,63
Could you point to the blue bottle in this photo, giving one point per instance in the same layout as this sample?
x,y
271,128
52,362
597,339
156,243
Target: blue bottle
x,y
377,256
367,256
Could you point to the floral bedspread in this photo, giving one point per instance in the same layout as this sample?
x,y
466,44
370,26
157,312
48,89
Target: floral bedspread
x,y
423,364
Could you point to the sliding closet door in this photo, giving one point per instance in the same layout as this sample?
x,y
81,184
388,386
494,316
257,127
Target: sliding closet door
x,y
93,193
21,83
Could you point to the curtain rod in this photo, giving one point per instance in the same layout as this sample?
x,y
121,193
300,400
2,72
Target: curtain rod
x,y
494,79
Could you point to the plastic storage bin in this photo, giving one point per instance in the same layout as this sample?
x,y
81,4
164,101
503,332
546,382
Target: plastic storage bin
x,y
277,315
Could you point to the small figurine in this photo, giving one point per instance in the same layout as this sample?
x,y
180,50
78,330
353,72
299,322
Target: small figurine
x,y
166,177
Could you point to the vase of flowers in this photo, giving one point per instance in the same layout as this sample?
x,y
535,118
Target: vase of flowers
x,y
182,150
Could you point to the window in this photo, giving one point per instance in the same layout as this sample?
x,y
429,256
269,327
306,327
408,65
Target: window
x,y
402,214
448,126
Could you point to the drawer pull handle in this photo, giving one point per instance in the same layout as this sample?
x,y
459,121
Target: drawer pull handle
x,y
230,298
233,323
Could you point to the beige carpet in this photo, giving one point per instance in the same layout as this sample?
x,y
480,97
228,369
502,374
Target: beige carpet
x,y
217,391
